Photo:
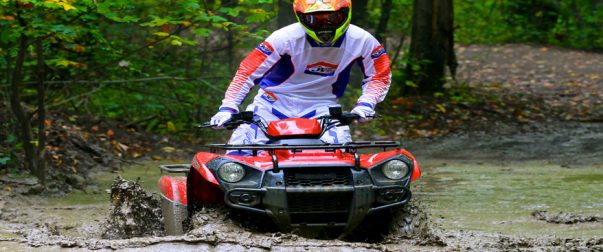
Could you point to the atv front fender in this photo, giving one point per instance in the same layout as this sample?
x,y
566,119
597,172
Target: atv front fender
x,y
198,163
173,203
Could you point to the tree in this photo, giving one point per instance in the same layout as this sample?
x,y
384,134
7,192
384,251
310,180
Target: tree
x,y
285,15
381,32
49,48
431,46
359,12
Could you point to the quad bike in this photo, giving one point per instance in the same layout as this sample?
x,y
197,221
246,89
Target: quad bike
x,y
296,180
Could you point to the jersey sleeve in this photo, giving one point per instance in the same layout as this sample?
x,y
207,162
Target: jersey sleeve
x,y
377,74
252,68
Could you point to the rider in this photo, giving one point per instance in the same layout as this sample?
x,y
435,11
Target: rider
x,y
304,68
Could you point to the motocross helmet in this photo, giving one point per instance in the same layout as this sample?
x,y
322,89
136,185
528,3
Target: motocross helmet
x,y
325,21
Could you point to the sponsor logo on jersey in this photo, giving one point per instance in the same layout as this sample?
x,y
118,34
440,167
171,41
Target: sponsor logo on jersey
x,y
270,97
265,48
321,68
378,52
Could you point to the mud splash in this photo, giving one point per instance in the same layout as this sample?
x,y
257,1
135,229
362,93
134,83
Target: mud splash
x,y
134,213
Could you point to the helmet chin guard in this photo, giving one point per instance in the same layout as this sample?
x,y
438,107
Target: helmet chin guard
x,y
325,21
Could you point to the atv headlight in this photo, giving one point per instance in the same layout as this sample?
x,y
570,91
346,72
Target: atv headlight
x,y
231,172
395,169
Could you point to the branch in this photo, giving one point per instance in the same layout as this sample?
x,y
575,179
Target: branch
x,y
159,78
397,54
128,54
76,97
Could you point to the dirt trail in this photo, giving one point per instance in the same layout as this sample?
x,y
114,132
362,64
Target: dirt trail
x,y
567,80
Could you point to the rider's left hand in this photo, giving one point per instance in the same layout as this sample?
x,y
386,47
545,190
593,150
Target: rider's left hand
x,y
365,113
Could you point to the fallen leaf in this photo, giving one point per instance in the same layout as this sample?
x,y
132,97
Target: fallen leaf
x,y
110,133
168,149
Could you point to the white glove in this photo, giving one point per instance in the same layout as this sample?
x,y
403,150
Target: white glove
x,y
220,118
365,113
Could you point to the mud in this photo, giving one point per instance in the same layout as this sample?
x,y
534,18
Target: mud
x,y
565,218
480,191
134,213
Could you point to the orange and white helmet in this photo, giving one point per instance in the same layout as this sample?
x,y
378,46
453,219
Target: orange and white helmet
x,y
324,20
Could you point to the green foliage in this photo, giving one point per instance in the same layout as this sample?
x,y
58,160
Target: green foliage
x,y
574,23
13,145
111,43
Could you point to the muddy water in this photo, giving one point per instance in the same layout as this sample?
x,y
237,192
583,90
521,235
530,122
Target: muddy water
x,y
467,202
501,198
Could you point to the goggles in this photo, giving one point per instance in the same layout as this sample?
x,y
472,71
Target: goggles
x,y
324,20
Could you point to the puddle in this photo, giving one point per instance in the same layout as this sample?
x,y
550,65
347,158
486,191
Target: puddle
x,y
501,198
467,203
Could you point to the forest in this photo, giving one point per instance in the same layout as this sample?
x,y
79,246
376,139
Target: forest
x,y
91,86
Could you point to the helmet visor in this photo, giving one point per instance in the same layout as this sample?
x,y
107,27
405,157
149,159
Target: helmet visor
x,y
326,20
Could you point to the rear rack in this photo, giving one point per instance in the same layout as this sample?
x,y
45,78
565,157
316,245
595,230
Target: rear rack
x,y
350,147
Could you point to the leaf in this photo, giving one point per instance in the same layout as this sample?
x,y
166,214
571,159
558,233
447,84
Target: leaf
x,y
122,147
11,138
233,12
4,160
161,34
203,32
171,127
7,17
190,5
168,149
176,42
66,6
411,84
64,63
441,108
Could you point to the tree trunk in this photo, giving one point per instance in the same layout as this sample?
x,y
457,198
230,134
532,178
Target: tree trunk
x,y
432,45
381,32
359,12
230,39
41,151
285,15
23,125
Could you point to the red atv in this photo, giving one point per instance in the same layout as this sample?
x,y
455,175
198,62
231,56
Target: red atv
x,y
297,180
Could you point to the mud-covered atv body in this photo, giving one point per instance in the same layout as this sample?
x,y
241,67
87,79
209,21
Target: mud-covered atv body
x,y
297,180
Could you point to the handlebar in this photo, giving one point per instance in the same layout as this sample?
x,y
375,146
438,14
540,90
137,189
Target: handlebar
x,y
336,117
236,120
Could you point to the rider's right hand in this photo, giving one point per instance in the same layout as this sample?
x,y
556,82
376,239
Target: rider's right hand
x,y
220,118
364,112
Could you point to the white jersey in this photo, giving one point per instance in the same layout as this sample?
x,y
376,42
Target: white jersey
x,y
300,78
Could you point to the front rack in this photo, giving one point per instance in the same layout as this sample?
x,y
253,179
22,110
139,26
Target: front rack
x,y
350,147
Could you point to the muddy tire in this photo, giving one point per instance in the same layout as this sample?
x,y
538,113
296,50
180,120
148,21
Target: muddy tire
x,y
193,205
408,221
404,222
